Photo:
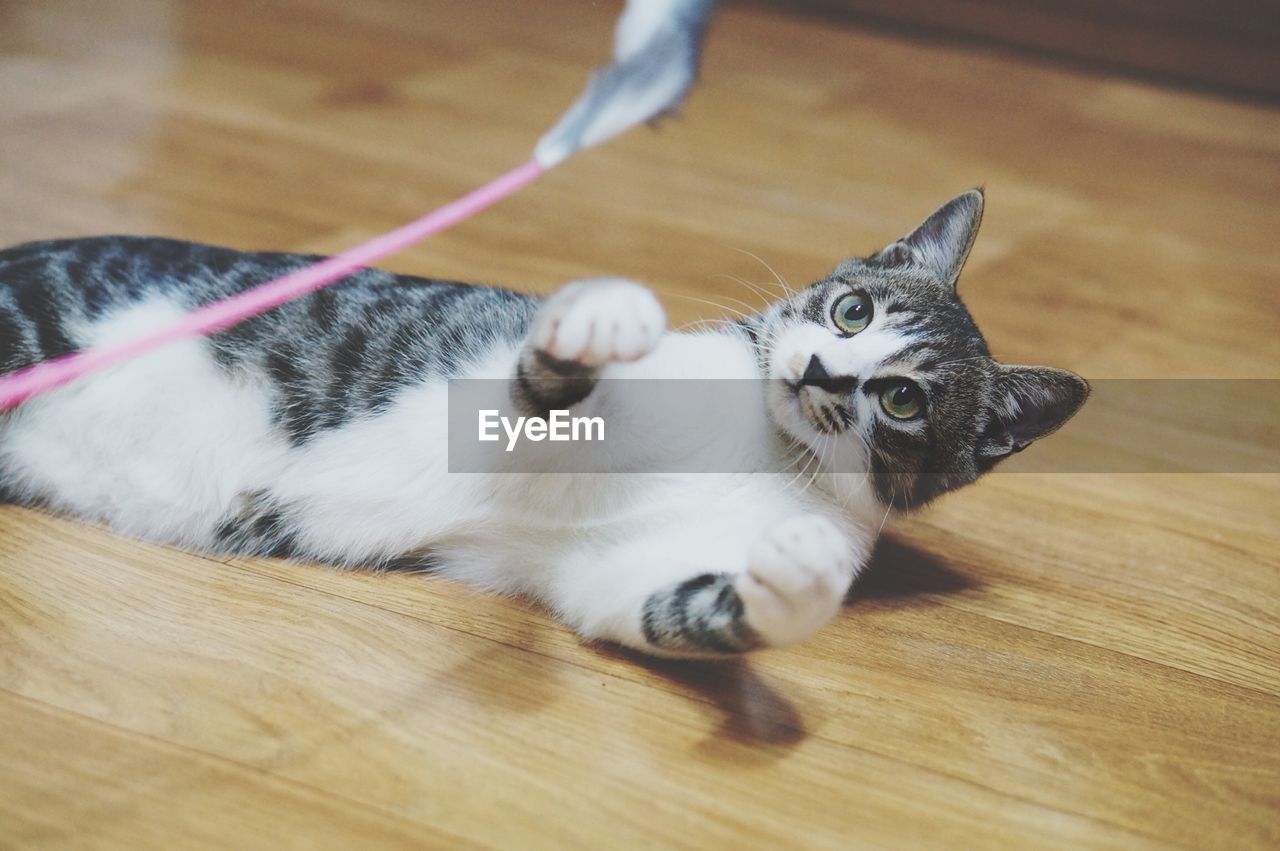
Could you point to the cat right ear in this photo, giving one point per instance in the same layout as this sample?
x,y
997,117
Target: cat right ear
x,y
1029,403
941,244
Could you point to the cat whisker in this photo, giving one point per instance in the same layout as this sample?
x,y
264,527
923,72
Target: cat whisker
x,y
849,494
781,282
817,468
959,360
725,308
810,456
801,454
884,519
704,324
759,290
825,444
754,309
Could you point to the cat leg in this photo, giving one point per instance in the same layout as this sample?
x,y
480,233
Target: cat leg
x,y
577,332
787,585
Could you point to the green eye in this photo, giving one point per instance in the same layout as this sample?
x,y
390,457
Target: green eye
x,y
902,400
852,313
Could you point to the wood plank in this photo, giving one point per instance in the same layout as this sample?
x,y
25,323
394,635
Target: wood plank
x,y
121,790
445,728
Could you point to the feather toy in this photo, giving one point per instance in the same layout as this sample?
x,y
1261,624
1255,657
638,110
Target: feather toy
x,y
655,61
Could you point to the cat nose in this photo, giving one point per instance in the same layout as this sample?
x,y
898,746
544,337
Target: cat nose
x,y
816,375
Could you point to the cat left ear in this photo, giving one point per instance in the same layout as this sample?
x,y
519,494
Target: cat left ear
x,y
942,242
1029,403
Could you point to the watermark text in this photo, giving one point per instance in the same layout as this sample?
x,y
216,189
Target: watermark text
x,y
559,426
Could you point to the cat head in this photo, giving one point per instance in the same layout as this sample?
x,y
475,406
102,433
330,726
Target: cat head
x,y
880,367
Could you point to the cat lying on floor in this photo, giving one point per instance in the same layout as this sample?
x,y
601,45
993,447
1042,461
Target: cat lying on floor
x,y
318,431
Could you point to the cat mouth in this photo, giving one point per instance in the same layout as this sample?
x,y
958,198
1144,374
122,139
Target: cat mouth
x,y
817,408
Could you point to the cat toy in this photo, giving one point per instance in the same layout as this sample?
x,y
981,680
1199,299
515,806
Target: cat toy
x,y
657,45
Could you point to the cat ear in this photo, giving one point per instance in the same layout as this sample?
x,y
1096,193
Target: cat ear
x,y
941,244
1029,402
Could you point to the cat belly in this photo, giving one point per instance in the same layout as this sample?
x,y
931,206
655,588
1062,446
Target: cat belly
x,y
174,448
158,448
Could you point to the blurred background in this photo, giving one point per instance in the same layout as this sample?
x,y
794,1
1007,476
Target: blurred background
x,y
1230,45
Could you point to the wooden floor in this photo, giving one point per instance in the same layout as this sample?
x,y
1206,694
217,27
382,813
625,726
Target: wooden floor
x,y
1046,660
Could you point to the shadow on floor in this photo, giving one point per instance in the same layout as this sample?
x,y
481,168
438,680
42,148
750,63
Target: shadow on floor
x,y
753,712
756,715
900,574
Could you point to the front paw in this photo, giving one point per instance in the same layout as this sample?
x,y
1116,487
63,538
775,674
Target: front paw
x,y
796,578
598,322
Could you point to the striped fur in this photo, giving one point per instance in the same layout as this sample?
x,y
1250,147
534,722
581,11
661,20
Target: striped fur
x,y
318,430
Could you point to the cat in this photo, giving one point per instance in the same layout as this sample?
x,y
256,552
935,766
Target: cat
x,y
317,431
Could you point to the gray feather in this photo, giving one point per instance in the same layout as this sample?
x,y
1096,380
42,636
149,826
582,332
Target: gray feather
x,y
656,55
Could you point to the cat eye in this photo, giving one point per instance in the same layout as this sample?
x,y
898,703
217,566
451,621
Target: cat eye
x,y
902,400
851,313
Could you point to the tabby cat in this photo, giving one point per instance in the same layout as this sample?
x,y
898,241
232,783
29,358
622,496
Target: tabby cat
x,y
318,431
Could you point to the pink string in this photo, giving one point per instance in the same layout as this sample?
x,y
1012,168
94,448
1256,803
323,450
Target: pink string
x,y
23,384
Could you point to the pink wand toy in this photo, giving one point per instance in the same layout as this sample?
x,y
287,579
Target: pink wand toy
x,y
656,51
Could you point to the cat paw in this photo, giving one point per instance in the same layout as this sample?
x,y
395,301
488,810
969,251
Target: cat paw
x,y
796,579
600,321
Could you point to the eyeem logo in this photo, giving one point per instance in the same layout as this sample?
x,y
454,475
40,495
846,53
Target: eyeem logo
x,y
560,426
